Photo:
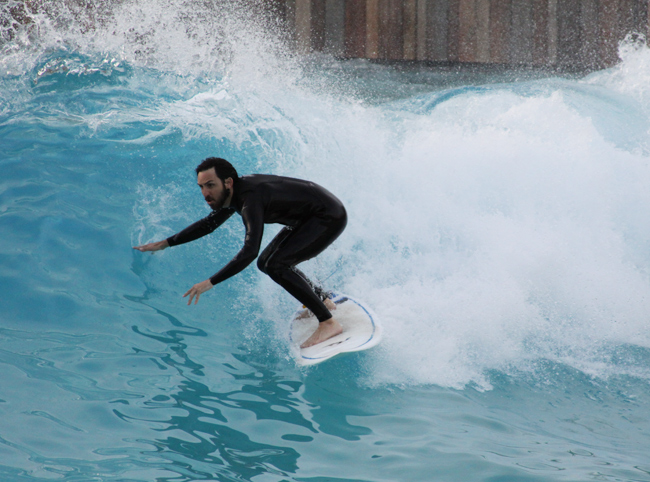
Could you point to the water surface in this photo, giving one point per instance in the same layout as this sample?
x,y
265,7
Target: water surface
x,y
498,226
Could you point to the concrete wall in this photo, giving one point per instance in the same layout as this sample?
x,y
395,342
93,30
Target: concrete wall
x,y
562,33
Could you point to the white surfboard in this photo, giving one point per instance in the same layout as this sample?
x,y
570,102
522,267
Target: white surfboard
x,y
361,330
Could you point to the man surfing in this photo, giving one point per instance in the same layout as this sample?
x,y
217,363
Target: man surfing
x,y
313,218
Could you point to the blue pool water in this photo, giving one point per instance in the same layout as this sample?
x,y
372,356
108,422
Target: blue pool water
x,y
498,226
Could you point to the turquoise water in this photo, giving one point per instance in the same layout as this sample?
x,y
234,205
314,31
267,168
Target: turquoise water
x,y
498,226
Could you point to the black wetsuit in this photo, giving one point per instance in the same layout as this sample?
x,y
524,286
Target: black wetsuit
x,y
313,219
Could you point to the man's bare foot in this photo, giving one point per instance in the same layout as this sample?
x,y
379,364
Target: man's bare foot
x,y
306,313
326,330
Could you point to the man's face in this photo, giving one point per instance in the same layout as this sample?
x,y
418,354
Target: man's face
x,y
213,190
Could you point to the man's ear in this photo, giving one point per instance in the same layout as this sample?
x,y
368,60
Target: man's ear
x,y
229,182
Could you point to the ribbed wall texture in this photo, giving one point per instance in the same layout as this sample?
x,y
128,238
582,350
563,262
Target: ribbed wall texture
x,y
564,33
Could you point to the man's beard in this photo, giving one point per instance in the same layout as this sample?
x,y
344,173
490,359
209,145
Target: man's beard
x,y
222,199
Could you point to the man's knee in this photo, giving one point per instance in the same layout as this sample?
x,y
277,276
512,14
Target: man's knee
x,y
262,264
271,267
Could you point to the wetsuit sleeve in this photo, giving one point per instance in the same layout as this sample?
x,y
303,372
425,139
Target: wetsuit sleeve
x,y
201,227
253,217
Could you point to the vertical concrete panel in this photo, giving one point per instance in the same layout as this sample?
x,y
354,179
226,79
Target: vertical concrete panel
x,y
335,27
276,11
291,23
391,29
483,31
540,32
372,29
317,25
422,51
384,28
467,31
473,30
355,28
644,19
410,29
608,31
453,32
303,26
647,22
500,21
644,8
589,33
552,32
625,18
438,30
521,33
569,32
639,14
397,30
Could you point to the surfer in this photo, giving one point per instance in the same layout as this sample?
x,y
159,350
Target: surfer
x,y
312,217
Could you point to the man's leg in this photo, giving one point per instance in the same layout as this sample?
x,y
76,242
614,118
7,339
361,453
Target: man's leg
x,y
292,246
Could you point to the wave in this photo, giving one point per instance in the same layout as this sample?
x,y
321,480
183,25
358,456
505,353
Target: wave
x,y
492,227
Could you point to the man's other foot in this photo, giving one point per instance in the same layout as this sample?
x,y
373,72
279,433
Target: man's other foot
x,y
329,304
326,330
306,313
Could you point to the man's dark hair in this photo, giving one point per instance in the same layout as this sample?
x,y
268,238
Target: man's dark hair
x,y
222,167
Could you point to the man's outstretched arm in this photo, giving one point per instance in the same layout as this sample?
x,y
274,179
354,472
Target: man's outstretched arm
x,y
254,223
157,246
192,232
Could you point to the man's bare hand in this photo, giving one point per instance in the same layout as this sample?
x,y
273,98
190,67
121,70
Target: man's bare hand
x,y
197,289
157,246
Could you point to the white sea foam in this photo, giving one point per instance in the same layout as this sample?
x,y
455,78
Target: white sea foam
x,y
507,231
494,231
497,230
219,37
632,76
